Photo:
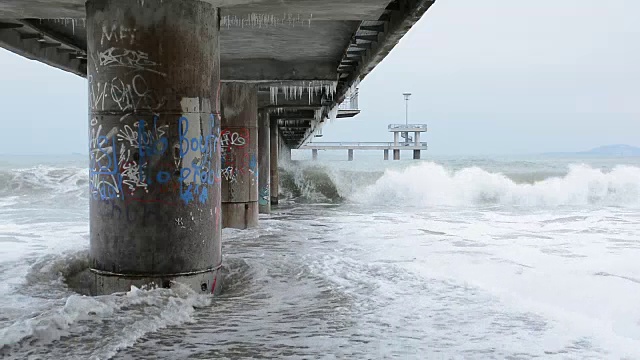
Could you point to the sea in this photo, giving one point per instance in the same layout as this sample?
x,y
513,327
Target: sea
x,y
502,257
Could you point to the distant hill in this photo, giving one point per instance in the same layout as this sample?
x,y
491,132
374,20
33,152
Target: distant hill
x,y
615,150
618,150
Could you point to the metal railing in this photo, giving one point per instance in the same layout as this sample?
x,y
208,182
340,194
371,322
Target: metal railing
x,y
407,127
348,144
350,103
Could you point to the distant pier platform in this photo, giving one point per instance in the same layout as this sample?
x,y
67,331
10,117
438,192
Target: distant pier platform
x,y
400,131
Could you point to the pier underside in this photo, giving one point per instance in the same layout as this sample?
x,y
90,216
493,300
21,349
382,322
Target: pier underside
x,y
310,52
175,92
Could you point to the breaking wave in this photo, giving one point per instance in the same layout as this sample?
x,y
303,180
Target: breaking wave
x,y
43,179
430,184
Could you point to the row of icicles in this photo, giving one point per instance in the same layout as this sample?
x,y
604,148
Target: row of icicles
x,y
294,92
257,20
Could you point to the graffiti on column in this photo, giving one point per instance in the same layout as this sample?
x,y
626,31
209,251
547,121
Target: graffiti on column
x,y
236,160
265,195
142,159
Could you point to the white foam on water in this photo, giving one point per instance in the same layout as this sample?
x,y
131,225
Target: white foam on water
x,y
121,318
430,184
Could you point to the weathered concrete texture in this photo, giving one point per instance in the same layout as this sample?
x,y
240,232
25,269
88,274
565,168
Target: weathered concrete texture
x,y
396,154
154,158
239,142
274,141
284,152
264,160
298,11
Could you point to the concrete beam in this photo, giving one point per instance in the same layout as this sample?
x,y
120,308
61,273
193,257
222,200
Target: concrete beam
x,y
261,70
26,42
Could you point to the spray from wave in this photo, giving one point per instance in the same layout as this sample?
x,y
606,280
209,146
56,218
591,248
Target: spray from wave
x,y
429,184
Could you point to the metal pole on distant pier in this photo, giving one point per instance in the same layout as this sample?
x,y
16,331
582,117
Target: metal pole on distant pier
x,y
406,113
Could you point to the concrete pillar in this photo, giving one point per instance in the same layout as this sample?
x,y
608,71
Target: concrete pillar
x,y
416,153
396,154
350,154
396,138
275,141
386,154
239,142
264,159
153,74
285,152
314,154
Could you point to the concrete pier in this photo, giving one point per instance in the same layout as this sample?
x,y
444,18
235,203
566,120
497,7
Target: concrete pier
x,y
239,144
264,159
386,154
154,132
314,154
274,140
350,151
416,154
285,152
396,154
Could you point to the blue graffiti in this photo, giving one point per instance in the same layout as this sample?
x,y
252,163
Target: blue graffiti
x,y
201,170
199,154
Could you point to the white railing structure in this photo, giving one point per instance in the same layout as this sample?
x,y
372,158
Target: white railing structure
x,y
350,102
398,130
363,145
408,127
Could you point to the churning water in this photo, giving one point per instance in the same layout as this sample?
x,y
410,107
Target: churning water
x,y
456,258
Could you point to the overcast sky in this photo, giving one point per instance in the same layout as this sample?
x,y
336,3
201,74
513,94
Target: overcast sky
x,y
491,76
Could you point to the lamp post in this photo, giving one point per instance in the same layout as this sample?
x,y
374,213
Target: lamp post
x,y
406,114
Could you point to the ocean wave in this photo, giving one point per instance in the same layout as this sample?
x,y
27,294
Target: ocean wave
x,y
43,178
429,184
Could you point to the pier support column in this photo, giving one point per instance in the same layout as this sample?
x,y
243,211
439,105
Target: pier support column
x,y
314,154
350,154
239,142
396,154
264,159
153,74
386,154
285,151
416,154
274,141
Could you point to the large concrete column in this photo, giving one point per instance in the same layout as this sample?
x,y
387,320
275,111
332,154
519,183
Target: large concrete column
x,y
416,154
274,140
314,154
239,142
386,154
264,159
153,74
396,154
350,152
